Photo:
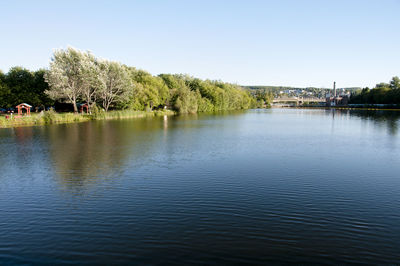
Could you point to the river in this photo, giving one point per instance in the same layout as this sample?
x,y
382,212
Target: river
x,y
256,186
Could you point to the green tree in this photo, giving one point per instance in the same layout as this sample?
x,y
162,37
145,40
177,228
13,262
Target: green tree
x,y
40,87
149,91
383,93
21,85
395,83
5,94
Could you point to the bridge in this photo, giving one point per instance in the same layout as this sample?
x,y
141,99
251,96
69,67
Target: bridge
x,y
295,101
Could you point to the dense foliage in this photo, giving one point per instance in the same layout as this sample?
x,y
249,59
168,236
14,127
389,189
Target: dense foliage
x,y
383,93
263,96
76,77
21,85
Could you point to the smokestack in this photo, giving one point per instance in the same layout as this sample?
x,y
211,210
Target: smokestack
x,y
334,89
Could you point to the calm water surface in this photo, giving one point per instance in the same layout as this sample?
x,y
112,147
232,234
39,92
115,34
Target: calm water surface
x,y
277,186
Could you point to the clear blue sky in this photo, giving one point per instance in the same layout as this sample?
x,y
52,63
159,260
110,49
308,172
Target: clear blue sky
x,y
295,43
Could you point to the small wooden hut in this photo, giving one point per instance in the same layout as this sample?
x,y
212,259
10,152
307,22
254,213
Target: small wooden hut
x,y
85,105
23,106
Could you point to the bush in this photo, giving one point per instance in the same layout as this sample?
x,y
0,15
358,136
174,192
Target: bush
x,y
98,112
49,116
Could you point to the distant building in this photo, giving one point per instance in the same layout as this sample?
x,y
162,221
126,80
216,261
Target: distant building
x,y
337,100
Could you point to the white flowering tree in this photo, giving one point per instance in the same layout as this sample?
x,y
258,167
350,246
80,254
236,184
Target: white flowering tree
x,y
115,83
72,75
90,79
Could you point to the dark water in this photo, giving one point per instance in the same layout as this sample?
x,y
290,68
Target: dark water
x,y
262,186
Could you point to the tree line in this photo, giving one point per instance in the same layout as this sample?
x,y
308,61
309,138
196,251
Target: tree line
x,y
382,93
77,77
279,91
21,85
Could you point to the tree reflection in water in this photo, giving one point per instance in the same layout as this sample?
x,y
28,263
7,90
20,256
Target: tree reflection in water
x,y
82,154
383,118
85,153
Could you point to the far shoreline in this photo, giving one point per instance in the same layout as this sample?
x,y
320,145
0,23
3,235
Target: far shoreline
x,y
336,107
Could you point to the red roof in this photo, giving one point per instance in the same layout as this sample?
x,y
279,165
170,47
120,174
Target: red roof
x,y
24,104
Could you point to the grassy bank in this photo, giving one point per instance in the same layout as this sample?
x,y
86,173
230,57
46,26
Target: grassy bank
x,y
51,117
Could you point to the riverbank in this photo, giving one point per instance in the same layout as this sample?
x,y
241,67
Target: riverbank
x,y
339,108
52,117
